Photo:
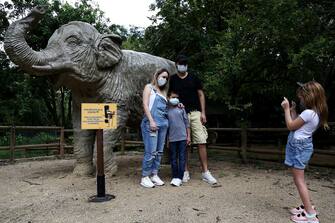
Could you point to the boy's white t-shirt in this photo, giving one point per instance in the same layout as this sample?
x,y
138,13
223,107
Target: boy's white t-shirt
x,y
311,119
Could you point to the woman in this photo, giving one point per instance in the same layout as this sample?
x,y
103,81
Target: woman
x,y
154,127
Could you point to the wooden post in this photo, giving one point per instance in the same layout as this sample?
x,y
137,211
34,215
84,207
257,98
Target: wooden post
x,y
12,144
100,154
244,143
101,188
122,142
279,144
61,143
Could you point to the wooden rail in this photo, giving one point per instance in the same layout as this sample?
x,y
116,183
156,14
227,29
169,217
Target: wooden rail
x,y
60,146
243,148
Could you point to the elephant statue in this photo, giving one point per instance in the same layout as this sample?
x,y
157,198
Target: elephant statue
x,y
95,68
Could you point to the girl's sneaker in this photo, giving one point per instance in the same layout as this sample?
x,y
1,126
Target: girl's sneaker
x,y
303,217
298,210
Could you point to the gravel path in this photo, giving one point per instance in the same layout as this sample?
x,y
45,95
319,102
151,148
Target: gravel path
x,y
46,191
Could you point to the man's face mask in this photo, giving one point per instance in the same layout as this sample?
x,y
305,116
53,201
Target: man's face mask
x,y
174,101
181,68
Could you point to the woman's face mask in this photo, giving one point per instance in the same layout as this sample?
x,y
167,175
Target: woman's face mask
x,y
174,101
181,68
161,81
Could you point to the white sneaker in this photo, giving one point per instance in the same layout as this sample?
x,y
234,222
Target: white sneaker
x,y
186,177
146,182
176,182
207,177
156,180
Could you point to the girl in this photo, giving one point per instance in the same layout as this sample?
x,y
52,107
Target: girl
x,y
299,146
154,127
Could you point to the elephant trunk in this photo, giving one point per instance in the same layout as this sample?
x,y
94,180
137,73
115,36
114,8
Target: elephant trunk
x,y
16,46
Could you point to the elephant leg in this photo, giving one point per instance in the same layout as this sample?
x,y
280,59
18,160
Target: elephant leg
x,y
83,151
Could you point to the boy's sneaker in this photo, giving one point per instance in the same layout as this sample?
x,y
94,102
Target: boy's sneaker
x,y
207,177
303,217
298,210
156,180
186,177
176,182
146,182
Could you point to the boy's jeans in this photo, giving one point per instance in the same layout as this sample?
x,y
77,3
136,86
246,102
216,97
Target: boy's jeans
x,y
178,158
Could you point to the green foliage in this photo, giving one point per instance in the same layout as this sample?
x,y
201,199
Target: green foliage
x,y
249,53
28,100
24,139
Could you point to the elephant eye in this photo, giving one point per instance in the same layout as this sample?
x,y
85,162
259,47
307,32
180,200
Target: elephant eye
x,y
73,41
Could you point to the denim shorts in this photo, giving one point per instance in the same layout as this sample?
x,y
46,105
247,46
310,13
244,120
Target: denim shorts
x,y
298,152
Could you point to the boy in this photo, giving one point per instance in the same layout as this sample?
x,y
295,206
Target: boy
x,y
179,138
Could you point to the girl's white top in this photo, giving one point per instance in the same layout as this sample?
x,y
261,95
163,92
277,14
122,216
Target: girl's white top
x,y
311,119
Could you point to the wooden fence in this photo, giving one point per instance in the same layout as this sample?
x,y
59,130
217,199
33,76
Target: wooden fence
x,y
12,147
243,147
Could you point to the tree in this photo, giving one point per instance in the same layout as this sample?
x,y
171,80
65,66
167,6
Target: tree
x,y
249,53
23,95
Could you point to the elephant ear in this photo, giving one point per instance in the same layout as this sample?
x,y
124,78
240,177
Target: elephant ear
x,y
109,51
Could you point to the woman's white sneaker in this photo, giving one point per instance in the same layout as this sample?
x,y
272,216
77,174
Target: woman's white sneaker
x,y
156,180
146,182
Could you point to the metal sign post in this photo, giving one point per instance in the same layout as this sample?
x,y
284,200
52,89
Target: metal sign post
x,y
99,117
101,190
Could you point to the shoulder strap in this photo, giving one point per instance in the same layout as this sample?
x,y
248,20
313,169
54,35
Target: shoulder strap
x,y
152,88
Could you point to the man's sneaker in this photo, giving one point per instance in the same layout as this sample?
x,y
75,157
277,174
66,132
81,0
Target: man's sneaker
x,y
207,177
146,182
156,180
176,182
298,210
186,177
303,217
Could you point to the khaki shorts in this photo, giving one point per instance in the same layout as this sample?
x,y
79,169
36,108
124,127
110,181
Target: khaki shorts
x,y
199,133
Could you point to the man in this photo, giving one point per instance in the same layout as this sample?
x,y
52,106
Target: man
x,y
190,91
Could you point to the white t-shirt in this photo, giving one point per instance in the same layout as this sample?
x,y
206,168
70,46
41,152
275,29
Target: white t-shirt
x,y
153,96
311,119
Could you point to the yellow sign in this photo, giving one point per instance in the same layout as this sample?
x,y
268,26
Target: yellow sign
x,y
98,116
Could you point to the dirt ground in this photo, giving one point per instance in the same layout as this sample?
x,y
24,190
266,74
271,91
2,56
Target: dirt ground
x,y
46,191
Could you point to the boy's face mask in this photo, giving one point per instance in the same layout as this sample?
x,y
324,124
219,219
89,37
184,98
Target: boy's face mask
x,y
181,68
174,101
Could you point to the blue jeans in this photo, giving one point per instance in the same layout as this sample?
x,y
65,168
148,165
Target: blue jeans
x,y
153,147
178,158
